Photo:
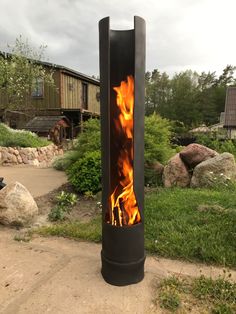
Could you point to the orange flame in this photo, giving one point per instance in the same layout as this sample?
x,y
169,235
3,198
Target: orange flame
x,y
124,209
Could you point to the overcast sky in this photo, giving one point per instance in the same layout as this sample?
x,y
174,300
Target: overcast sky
x,y
181,34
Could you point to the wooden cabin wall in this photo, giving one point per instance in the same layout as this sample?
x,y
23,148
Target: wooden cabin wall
x,y
51,97
71,94
93,101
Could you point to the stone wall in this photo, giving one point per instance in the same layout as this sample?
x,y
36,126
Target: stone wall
x,y
40,157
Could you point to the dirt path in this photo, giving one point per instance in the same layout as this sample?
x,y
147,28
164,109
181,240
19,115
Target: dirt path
x,y
55,275
38,181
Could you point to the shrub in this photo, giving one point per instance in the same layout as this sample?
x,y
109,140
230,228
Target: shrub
x,y
19,138
220,146
157,139
87,141
152,177
85,173
157,148
63,162
65,202
90,139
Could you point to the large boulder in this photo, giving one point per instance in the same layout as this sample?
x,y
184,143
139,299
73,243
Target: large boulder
x,y
215,171
176,173
194,154
17,206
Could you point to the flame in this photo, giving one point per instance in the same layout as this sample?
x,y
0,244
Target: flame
x,y
124,208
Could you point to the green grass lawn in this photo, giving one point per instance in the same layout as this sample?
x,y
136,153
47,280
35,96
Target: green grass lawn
x,y
191,224
181,294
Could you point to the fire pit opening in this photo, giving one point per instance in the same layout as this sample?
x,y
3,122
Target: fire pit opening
x,y
122,69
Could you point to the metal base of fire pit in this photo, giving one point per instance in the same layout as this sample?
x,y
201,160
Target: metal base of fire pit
x,y
123,254
122,274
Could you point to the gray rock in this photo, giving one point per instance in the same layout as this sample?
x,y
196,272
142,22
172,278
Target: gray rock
x,y
214,171
176,173
17,206
194,154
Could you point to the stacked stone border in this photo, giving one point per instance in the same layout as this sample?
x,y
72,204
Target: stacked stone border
x,y
39,157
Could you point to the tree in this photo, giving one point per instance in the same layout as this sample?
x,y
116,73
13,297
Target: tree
x,y
20,71
157,92
183,105
188,97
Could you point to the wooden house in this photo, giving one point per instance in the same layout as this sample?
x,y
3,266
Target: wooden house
x,y
230,112
74,96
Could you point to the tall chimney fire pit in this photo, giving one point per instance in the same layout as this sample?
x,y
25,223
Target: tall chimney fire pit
x,y
122,70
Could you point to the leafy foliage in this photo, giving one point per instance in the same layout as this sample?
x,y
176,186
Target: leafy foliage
x,y
63,162
19,70
65,202
218,145
85,173
90,139
83,164
188,97
19,138
158,132
157,139
157,148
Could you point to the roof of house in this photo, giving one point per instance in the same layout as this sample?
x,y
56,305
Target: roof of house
x,y
45,123
72,72
62,68
230,107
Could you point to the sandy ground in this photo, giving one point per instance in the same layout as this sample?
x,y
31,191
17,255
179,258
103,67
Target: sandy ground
x,y
38,181
56,275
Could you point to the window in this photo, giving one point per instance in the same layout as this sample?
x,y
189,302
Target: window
x,y
38,88
84,96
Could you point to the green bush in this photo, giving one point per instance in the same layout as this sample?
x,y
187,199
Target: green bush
x,y
157,148
19,138
65,202
63,162
220,146
157,139
151,177
85,173
90,139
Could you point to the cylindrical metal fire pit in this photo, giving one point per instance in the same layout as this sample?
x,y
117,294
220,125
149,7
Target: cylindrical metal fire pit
x,y
122,70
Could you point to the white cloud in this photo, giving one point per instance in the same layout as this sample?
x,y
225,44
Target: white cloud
x,y
180,33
